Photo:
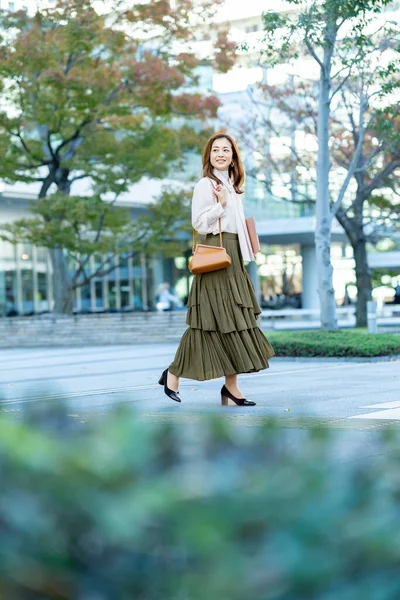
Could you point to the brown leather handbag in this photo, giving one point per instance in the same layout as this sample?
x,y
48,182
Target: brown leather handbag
x,y
209,258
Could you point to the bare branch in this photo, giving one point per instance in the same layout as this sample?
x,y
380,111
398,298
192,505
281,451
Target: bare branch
x,y
353,164
28,151
103,269
73,137
268,123
77,177
70,63
101,219
313,53
48,140
382,175
115,92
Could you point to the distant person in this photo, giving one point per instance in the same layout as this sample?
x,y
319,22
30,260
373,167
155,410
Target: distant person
x,y
346,299
397,293
223,338
166,300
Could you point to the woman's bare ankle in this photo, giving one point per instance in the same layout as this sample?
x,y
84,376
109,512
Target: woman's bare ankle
x,y
172,382
231,383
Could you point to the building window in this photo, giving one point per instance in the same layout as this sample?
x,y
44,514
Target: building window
x,y
27,291
112,294
10,294
124,284
85,298
42,293
98,285
252,28
7,251
124,290
137,287
123,267
41,255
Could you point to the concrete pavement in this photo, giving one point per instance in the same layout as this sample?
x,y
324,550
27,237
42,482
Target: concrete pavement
x,y
94,379
357,399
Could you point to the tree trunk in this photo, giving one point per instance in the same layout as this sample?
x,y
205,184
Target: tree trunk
x,y
62,284
63,290
323,213
363,281
353,227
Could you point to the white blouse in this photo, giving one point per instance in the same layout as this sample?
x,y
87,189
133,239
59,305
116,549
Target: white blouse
x,y
206,211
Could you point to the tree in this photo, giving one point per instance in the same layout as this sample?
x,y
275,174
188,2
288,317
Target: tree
x,y
279,113
136,505
321,30
99,98
365,120
90,227
372,210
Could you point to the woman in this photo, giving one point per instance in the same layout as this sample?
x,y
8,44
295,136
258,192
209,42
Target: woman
x,y
223,338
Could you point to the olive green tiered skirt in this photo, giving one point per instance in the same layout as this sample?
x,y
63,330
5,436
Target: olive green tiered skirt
x,y
223,337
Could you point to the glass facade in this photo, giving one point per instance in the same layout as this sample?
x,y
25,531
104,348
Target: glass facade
x,y
262,205
24,280
27,291
26,275
9,300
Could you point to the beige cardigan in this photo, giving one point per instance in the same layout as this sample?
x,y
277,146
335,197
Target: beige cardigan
x,y
206,211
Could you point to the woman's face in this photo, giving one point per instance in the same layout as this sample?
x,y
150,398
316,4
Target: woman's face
x,y
221,154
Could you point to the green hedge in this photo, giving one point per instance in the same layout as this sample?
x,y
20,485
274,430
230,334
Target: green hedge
x,y
122,510
352,342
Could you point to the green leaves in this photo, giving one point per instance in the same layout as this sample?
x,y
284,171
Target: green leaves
x,y
78,91
87,226
278,45
96,97
121,507
316,25
334,344
71,222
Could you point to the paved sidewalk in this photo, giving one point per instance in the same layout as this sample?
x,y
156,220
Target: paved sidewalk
x,y
96,378
357,397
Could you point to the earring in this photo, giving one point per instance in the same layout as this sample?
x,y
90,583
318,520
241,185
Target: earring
x,y
232,164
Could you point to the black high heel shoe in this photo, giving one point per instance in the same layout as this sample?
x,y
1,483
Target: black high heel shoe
x,y
228,399
170,393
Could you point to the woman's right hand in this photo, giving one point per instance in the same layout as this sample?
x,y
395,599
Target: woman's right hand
x,y
219,191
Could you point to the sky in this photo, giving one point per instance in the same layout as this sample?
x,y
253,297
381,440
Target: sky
x,y
232,8
237,9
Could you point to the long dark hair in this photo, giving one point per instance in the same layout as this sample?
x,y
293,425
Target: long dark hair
x,y
236,172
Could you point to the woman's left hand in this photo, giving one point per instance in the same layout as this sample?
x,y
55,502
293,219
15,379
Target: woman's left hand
x,y
219,191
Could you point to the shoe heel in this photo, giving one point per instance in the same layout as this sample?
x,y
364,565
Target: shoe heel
x,y
225,401
161,381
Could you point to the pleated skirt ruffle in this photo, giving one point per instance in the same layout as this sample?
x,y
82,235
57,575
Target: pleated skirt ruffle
x,y
223,337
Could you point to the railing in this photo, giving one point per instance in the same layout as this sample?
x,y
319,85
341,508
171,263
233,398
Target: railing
x,y
386,318
303,318
383,319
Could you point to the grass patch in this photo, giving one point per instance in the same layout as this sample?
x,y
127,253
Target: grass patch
x,y
353,342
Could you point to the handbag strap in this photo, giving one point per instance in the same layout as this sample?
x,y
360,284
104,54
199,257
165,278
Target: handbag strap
x,y
219,224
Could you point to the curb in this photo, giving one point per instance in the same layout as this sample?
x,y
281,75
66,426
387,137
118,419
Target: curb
x,y
355,359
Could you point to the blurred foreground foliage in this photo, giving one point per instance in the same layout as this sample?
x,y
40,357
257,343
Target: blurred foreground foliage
x,y
336,344
121,509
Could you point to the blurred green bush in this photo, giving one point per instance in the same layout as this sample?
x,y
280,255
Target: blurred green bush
x,y
350,342
126,510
